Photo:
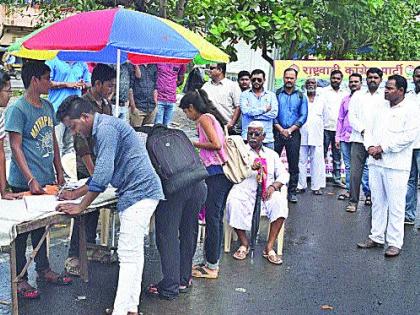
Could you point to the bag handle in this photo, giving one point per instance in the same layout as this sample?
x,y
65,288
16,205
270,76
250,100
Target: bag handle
x,y
226,130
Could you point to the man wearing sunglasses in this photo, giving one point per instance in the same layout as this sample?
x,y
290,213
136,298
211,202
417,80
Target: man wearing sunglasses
x,y
260,105
224,94
292,114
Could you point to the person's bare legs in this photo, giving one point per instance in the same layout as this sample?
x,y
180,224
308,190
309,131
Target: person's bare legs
x,y
242,237
275,228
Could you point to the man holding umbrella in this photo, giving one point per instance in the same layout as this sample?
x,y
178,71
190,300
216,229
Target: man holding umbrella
x,y
243,196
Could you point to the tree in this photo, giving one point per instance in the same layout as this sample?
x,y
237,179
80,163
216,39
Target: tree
x,y
339,29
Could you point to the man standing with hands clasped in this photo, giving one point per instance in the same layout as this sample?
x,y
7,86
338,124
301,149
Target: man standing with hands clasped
x,y
389,143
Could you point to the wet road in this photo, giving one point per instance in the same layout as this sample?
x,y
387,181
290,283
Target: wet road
x,y
322,266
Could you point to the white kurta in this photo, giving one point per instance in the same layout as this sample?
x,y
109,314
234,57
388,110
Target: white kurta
x,y
312,132
311,146
241,200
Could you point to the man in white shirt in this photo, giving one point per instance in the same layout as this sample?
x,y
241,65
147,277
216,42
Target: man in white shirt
x,y
224,94
411,198
363,108
389,142
311,143
241,200
332,97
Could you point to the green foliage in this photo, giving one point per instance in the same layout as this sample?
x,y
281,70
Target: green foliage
x,y
328,29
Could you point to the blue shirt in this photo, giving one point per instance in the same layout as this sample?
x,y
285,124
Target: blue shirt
x,y
62,71
36,126
254,107
293,108
123,162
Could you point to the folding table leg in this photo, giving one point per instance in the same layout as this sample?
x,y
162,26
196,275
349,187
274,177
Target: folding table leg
x,y
13,275
83,250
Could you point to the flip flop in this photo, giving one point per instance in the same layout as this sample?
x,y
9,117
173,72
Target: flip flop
x,y
368,201
203,272
272,257
241,253
59,280
343,197
317,192
351,208
28,293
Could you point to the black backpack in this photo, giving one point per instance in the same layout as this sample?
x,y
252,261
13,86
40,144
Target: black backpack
x,y
174,158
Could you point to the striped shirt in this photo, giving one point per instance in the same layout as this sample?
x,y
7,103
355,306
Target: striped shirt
x,y
2,131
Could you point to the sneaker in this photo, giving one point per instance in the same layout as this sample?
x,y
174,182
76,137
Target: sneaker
x,y
408,222
292,198
392,251
369,244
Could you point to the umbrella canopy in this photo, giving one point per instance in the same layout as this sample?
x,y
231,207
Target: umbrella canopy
x,y
97,36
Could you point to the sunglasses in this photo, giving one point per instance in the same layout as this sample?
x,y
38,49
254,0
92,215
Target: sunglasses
x,y
259,80
254,133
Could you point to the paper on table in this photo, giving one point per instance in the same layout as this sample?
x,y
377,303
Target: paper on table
x,y
44,203
13,210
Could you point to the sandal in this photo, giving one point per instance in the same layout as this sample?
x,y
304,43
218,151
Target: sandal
x,y
205,272
153,291
344,196
26,291
272,257
351,208
300,190
368,201
72,266
317,192
241,253
53,278
186,288
198,266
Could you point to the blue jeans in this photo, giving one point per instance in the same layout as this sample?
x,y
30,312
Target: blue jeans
x,y
365,180
165,113
345,148
411,198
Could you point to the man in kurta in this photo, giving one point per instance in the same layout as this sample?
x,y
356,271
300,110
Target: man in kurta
x,y
241,200
311,143
389,143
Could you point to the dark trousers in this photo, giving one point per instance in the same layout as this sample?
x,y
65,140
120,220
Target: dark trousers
x,y
176,222
91,224
357,163
292,146
218,187
41,259
329,139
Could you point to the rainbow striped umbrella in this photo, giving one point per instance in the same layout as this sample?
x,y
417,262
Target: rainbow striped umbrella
x,y
108,35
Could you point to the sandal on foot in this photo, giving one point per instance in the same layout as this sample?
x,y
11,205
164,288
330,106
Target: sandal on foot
x,y
186,288
53,278
204,272
241,253
198,266
272,257
72,266
317,192
351,208
368,201
27,291
153,291
343,196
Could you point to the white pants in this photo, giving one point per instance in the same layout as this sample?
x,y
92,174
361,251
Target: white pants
x,y
316,158
134,226
388,188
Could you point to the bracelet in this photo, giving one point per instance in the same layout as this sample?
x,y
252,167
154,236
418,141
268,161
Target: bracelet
x,y
275,189
30,181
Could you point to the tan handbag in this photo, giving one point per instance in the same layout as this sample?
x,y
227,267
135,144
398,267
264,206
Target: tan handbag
x,y
238,165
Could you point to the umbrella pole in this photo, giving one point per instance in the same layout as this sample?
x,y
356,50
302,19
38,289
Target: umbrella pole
x,y
117,88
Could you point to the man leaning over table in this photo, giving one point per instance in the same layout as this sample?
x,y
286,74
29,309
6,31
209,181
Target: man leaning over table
x,y
30,122
123,162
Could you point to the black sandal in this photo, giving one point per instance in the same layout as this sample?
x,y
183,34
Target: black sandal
x,y
343,196
317,192
153,291
186,288
368,201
